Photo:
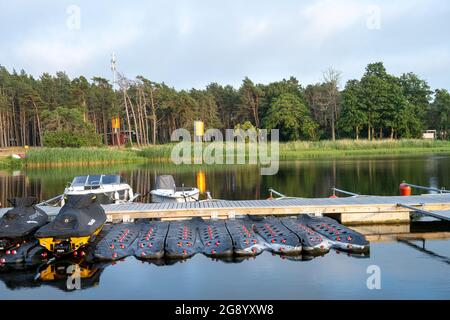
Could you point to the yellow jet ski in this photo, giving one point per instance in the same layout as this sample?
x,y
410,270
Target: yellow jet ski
x,y
77,223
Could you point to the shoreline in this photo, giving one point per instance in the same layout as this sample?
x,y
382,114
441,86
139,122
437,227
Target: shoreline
x,y
296,150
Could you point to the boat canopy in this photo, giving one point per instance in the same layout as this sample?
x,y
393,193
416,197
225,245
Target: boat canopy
x,y
98,179
165,182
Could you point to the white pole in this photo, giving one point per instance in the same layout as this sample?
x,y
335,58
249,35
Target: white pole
x,y
113,69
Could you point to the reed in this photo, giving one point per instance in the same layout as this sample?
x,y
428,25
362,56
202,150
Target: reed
x,y
363,144
157,152
342,148
78,156
326,148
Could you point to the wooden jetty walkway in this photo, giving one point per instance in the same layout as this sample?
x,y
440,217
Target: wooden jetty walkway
x,y
349,210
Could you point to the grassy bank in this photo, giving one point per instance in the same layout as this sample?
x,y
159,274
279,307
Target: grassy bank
x,y
42,157
340,148
343,148
79,157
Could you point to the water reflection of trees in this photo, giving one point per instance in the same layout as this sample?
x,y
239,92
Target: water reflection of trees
x,y
309,178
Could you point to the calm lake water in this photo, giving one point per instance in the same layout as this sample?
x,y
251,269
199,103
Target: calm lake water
x,y
409,270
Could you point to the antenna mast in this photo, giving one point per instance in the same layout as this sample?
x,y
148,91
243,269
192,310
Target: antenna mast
x,y
116,120
113,68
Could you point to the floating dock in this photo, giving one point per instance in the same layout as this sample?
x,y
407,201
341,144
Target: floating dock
x,y
348,210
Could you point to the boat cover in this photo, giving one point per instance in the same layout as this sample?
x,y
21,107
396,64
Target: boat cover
x,y
22,220
81,216
165,182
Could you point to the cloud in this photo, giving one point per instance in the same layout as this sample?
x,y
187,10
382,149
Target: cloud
x,y
254,27
325,18
66,51
190,43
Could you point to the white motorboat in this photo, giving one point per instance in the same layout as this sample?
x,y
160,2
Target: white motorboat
x,y
167,191
112,187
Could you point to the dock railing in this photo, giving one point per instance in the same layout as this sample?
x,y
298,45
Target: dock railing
x,y
424,212
344,192
273,191
442,190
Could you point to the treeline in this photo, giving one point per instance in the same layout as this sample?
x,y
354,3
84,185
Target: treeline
x,y
59,111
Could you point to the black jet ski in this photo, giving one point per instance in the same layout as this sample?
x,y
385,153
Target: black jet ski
x,y
118,242
77,223
215,241
341,237
312,242
277,237
245,241
181,239
19,223
150,244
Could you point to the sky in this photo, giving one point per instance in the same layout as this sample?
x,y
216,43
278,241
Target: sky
x,y
190,43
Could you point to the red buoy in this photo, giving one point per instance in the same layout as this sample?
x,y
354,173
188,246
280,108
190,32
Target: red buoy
x,y
405,190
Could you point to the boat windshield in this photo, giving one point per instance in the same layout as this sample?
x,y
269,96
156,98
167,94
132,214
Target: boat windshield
x,y
111,179
97,180
79,181
94,180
